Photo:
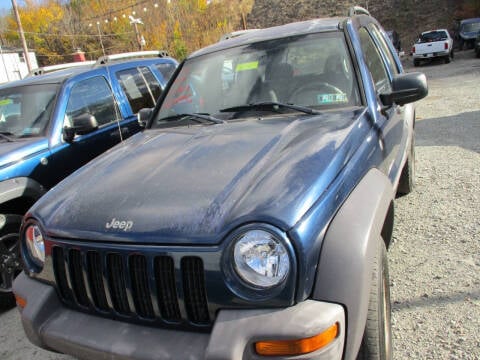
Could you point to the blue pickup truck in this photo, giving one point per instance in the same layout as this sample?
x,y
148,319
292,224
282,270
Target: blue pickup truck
x,y
250,220
52,124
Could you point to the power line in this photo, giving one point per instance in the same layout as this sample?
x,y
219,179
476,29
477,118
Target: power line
x,y
110,12
74,35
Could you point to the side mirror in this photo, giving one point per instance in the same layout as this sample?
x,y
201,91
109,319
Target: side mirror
x,y
406,88
144,115
82,124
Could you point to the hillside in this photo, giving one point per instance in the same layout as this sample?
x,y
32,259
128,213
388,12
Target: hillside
x,y
407,17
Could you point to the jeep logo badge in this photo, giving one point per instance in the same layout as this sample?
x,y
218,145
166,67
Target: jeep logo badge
x,y
119,224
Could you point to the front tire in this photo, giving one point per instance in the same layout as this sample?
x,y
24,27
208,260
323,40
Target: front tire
x,y
10,265
416,62
377,337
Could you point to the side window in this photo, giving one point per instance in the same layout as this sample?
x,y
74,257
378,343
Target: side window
x,y
377,35
93,96
152,83
140,86
374,62
166,69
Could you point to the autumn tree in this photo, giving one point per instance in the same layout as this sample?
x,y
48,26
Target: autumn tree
x,y
54,29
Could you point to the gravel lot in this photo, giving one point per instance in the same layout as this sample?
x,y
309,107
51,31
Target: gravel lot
x,y
435,256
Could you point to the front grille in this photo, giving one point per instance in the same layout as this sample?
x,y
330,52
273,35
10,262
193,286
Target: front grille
x,y
136,286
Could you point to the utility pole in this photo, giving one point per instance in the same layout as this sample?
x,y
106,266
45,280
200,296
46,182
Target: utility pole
x,y
22,35
140,39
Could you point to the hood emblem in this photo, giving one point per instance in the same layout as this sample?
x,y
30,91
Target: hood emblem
x,y
124,225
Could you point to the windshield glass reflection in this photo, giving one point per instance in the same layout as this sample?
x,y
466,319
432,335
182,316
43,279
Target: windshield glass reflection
x,y
312,71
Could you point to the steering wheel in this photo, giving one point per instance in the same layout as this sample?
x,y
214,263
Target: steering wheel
x,y
308,94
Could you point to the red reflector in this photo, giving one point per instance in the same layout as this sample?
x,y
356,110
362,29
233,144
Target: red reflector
x,y
446,46
413,49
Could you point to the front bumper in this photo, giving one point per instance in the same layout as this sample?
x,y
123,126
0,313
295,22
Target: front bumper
x,y
50,325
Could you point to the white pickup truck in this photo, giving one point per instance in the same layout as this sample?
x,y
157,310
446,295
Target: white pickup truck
x,y
433,44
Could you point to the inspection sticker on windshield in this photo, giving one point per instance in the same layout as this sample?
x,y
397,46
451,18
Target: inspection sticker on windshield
x,y
332,98
246,66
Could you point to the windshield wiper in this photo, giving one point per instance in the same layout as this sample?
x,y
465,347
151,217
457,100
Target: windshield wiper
x,y
6,135
193,116
269,105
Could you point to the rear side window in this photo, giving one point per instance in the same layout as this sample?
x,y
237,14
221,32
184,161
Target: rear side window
x,y
433,36
376,34
140,86
166,69
93,96
374,62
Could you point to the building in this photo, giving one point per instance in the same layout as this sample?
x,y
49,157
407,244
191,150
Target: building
x,y
13,65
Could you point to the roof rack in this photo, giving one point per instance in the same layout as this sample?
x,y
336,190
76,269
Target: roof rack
x,y
358,10
235,34
128,55
50,68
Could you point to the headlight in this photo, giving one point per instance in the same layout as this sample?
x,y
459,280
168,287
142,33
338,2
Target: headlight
x,y
35,244
260,259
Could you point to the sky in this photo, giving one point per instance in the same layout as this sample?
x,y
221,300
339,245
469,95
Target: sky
x,y
5,5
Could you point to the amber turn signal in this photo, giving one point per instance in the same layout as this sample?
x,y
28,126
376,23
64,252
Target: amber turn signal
x,y
21,302
298,346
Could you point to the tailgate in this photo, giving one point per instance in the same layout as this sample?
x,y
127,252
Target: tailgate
x,y
430,48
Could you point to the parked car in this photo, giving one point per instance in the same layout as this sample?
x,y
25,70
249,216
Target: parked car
x,y
250,219
433,45
52,124
467,32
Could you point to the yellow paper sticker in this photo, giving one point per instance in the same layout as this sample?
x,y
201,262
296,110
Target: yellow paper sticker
x,y
246,66
5,102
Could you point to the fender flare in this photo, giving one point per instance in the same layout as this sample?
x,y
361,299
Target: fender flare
x,y
20,187
344,270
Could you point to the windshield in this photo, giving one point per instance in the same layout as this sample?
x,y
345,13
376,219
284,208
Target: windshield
x,y
472,27
312,71
26,110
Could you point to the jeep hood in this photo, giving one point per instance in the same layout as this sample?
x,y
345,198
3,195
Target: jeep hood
x,y
193,184
18,149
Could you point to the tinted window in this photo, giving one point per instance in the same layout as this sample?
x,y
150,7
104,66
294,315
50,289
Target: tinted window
x,y
26,110
471,27
433,36
377,35
140,86
166,69
374,62
92,96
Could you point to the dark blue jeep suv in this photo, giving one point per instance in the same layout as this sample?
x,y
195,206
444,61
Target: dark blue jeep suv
x,y
249,221
52,124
